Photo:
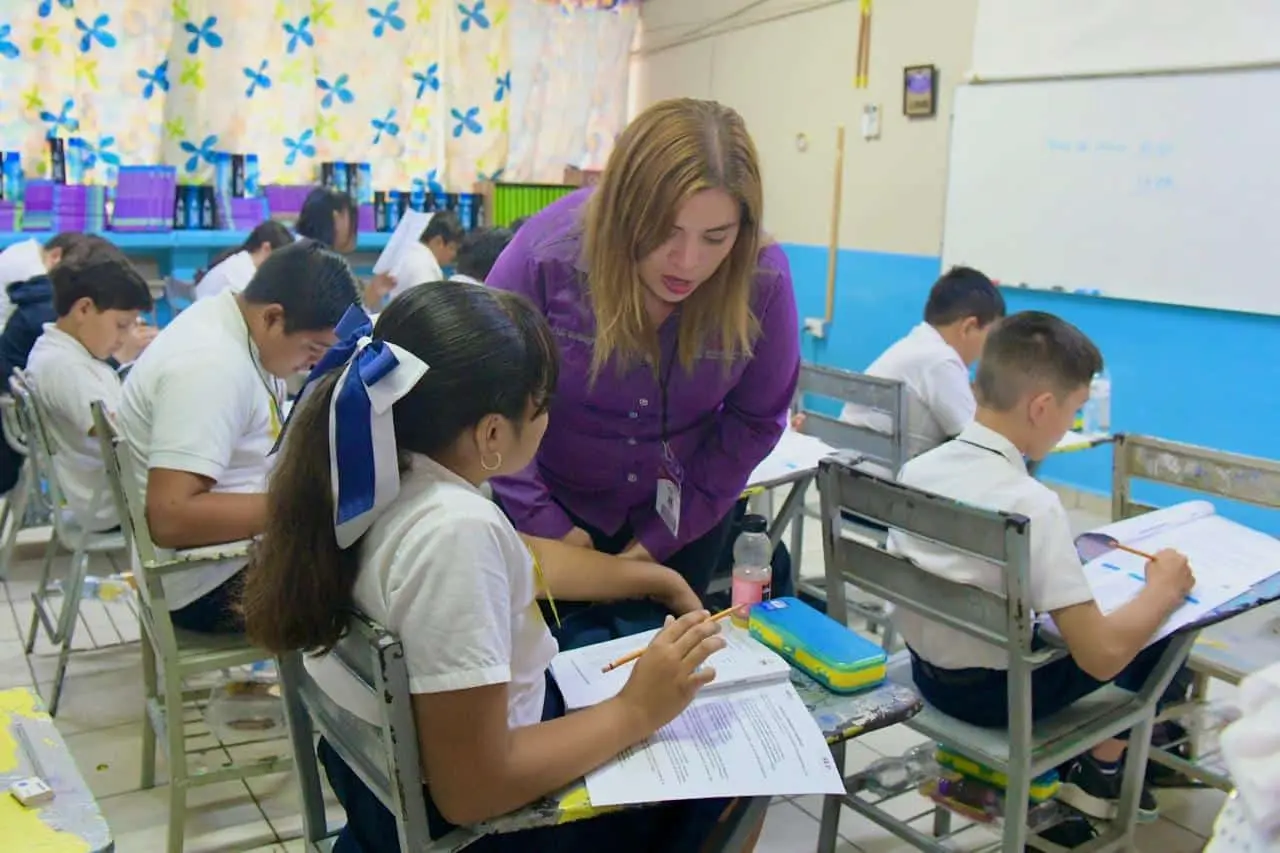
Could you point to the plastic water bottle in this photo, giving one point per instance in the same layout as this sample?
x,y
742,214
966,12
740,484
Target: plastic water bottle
x,y
752,568
1097,412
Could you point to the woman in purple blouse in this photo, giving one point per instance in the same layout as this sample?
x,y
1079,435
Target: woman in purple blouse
x,y
679,343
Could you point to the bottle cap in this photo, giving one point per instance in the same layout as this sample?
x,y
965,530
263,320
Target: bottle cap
x,y
755,524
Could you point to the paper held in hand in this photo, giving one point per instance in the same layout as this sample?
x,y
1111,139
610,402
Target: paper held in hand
x,y
407,233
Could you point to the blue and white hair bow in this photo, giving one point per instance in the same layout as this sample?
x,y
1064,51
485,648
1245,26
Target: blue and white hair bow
x,y
363,461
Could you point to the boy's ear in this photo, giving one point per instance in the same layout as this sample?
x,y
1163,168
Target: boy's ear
x,y
273,315
82,306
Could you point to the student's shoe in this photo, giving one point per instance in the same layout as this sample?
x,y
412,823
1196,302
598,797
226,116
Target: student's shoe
x,y
1090,789
1075,831
1159,776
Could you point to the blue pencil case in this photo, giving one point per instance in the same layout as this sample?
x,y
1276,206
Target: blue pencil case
x,y
830,653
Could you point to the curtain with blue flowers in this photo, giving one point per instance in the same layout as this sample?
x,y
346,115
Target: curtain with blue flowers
x,y
419,88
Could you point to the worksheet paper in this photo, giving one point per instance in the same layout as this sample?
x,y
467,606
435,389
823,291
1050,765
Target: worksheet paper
x,y
408,231
578,672
756,742
1227,559
794,452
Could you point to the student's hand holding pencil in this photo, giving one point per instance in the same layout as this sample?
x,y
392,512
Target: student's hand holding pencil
x,y
1170,572
669,673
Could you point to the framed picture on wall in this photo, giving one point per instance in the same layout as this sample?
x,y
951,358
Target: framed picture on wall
x,y
920,91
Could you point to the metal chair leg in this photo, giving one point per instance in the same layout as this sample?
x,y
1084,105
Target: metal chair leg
x,y
149,691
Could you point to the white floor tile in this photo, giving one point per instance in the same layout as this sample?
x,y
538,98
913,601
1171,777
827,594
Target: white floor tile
x,y
221,817
1165,837
788,829
893,741
109,759
1193,809
14,671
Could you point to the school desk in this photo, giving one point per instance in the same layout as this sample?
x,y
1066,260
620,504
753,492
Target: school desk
x,y
841,718
31,746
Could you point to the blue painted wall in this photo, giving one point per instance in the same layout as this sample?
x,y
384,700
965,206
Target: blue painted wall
x,y
1207,377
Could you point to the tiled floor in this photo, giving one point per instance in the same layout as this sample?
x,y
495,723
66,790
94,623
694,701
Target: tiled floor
x,y
101,722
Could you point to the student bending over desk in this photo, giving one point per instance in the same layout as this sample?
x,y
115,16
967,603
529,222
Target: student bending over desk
x,y
97,296
1033,377
933,360
419,549
201,410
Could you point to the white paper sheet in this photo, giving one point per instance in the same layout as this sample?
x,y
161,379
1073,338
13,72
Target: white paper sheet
x,y
1227,559
407,232
752,742
578,675
794,453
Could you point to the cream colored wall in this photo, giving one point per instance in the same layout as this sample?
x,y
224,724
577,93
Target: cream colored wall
x,y
794,74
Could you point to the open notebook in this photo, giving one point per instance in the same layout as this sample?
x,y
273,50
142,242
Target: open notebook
x,y
1227,559
747,734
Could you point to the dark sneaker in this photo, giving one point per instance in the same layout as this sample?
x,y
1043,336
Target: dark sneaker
x,y
1174,739
1073,832
1088,789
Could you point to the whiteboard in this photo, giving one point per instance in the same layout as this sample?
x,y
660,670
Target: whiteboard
x,y
1162,189
1023,38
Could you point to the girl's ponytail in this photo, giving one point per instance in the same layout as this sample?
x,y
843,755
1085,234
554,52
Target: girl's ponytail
x,y
298,586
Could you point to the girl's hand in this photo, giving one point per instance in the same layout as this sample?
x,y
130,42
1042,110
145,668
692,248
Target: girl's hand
x,y
797,422
675,594
377,290
667,676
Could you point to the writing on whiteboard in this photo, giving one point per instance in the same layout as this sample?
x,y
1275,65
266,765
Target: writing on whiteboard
x,y
1146,148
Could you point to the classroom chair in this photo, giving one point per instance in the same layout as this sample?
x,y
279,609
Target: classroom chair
x,y
1001,619
59,628
13,516
171,656
828,387
1231,650
386,755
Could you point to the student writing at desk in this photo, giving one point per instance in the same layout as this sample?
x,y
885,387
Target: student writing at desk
x,y
467,381
676,323
1033,377
933,361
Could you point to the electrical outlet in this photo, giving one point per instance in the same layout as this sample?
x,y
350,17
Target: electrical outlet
x,y
815,326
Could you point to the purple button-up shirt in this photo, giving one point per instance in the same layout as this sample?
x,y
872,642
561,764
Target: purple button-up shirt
x,y
602,455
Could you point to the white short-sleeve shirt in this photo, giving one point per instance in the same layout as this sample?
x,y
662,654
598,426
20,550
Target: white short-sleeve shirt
x,y
940,399
444,570
67,379
983,468
198,401
234,274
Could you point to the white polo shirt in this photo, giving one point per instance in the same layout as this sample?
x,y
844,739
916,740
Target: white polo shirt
x,y
939,396
198,401
234,274
444,570
416,265
984,469
66,379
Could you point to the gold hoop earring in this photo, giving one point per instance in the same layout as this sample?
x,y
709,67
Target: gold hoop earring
x,y
495,466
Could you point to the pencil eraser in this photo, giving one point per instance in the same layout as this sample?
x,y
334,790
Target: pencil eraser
x,y
31,791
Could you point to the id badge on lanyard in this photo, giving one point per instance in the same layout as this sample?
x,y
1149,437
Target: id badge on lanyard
x,y
670,472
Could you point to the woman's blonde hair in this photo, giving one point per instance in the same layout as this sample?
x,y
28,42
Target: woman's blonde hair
x,y
670,152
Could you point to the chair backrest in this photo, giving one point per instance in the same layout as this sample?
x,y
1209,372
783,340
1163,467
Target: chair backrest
x,y
14,433
884,444
384,756
33,422
1002,619
152,606
1249,479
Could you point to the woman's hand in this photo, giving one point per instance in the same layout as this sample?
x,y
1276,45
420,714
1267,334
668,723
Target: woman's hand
x,y
675,594
797,421
668,675
580,538
135,341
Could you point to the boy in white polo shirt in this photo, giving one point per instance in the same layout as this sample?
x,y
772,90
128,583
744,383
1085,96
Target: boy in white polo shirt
x,y
97,297
202,410
1034,376
933,360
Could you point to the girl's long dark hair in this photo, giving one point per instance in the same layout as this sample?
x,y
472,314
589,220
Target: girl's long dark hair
x,y
487,351
267,231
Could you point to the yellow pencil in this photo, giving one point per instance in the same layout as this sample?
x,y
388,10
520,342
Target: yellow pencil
x,y
626,659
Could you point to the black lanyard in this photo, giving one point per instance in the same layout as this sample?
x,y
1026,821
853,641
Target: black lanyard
x,y
664,380
982,447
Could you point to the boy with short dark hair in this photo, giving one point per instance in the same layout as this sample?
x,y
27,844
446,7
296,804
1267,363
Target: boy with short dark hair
x,y
97,295
202,409
1033,377
479,252
933,360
